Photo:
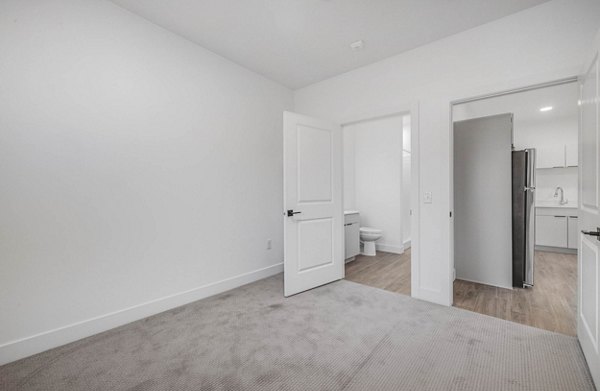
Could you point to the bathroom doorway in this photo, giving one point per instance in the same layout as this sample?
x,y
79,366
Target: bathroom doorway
x,y
377,202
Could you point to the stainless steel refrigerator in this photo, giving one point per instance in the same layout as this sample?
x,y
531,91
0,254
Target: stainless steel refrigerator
x,y
523,216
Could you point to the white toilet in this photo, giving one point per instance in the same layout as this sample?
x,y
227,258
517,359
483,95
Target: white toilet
x,y
368,236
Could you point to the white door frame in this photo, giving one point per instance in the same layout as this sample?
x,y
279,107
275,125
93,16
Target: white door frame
x,y
408,108
456,101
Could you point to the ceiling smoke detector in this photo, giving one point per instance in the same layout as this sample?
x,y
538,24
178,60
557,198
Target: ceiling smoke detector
x,y
358,45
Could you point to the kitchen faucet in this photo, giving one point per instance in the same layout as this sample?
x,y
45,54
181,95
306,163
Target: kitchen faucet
x,y
562,195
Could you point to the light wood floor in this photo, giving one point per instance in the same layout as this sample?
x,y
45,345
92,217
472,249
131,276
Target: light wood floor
x,y
549,305
385,271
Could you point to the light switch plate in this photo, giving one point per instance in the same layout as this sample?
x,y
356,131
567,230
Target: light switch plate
x,y
427,197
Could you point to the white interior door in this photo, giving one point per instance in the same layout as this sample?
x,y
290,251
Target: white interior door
x,y
589,245
313,210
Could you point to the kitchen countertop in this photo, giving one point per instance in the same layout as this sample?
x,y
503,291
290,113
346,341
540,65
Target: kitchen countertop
x,y
554,204
555,209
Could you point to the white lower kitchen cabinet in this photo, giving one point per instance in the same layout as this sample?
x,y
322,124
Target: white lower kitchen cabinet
x,y
573,232
551,231
556,227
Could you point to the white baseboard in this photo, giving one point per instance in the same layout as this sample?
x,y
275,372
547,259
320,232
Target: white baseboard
x,y
484,283
24,347
389,248
560,250
406,244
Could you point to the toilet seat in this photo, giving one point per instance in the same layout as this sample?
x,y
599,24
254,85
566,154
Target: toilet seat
x,y
369,230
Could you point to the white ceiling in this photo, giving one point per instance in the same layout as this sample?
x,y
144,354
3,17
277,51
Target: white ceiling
x,y
300,42
525,105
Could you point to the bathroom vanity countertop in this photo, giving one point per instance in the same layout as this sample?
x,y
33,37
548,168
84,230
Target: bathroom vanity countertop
x,y
350,212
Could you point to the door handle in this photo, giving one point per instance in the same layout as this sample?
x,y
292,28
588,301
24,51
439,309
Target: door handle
x,y
595,233
291,212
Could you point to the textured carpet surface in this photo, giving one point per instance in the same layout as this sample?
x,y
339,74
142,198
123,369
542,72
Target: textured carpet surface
x,y
342,336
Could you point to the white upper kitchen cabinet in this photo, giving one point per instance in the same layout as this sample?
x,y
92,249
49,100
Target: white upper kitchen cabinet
x,y
551,156
571,155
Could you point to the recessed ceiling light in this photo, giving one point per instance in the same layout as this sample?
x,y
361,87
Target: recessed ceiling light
x,y
358,45
547,108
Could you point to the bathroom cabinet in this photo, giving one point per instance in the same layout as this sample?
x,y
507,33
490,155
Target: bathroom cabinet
x,y
351,234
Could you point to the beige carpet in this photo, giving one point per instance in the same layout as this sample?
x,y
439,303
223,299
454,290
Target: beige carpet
x,y
343,336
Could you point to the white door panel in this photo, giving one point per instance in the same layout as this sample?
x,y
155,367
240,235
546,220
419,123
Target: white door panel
x,y
589,135
589,216
314,164
315,243
314,235
589,278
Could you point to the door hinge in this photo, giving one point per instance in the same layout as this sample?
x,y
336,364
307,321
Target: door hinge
x,y
450,213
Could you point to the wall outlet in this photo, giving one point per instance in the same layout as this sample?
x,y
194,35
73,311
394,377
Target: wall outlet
x,y
428,197
269,244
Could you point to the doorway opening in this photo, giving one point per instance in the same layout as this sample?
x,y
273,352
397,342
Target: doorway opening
x,y
516,182
377,163
313,215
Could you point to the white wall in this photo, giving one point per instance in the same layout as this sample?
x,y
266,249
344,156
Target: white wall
x,y
374,154
349,194
483,200
547,180
136,166
521,49
536,134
